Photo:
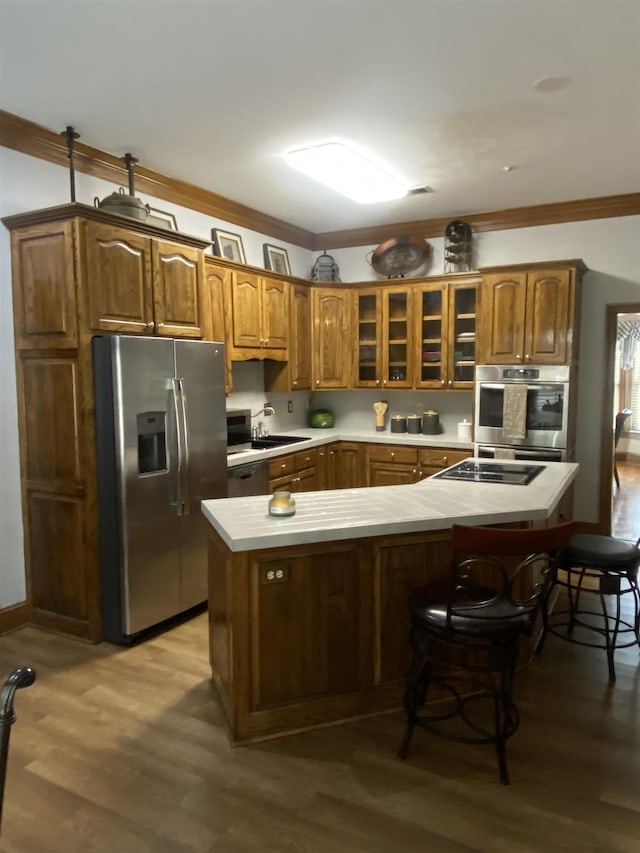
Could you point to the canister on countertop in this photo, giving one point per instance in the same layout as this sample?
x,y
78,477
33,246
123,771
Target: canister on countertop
x,y
414,424
464,430
398,423
431,423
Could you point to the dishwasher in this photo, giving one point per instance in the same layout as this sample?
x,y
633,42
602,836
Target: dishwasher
x,y
250,478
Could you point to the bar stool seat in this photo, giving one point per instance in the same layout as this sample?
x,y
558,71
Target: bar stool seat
x,y
466,632
604,567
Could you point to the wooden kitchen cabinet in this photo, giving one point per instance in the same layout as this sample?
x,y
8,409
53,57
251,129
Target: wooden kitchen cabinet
x,y
77,270
295,472
391,465
140,285
341,465
446,316
331,339
295,373
214,325
530,312
259,316
383,354
431,460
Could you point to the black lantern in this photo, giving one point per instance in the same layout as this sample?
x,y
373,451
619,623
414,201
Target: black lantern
x,y
325,269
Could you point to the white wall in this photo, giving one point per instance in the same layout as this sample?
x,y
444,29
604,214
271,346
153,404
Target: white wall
x,y
609,247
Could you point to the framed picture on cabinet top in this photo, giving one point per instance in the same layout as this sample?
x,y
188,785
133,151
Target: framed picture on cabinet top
x,y
276,259
227,245
161,219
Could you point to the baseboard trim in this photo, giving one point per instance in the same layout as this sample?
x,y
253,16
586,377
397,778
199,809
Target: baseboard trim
x,y
14,617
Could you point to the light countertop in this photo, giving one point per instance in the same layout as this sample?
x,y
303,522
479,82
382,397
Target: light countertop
x,y
244,524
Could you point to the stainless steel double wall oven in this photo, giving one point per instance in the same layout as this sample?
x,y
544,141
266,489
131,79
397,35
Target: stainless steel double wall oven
x,y
546,413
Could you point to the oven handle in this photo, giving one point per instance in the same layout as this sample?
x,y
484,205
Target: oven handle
x,y
537,455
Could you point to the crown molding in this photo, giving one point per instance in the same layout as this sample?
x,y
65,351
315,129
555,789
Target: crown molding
x,y
497,220
28,138
37,141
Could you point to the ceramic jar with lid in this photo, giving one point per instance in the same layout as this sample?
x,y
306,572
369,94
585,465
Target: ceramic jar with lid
x,y
431,423
398,423
414,424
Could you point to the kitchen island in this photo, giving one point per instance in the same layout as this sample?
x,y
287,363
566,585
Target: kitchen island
x,y
308,620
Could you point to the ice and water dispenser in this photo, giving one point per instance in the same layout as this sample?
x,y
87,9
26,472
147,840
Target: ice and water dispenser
x,y
152,445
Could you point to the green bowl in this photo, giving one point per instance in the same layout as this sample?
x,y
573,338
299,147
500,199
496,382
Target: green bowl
x,y
322,418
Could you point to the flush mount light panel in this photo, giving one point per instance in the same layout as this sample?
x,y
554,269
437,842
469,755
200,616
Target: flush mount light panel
x,y
346,171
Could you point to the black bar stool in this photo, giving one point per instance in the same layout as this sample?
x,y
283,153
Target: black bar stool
x,y
24,676
604,567
466,632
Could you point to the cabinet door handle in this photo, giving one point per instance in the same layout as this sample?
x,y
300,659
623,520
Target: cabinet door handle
x,y
518,356
150,325
393,453
317,381
265,341
445,461
294,383
450,383
442,382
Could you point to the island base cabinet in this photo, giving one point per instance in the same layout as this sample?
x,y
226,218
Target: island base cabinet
x,y
311,635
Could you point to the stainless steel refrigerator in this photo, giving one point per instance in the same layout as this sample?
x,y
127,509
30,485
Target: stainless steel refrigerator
x,y
161,440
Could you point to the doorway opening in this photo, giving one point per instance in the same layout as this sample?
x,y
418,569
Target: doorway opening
x,y
620,506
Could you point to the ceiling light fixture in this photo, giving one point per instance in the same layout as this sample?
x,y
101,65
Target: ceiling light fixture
x,y
346,171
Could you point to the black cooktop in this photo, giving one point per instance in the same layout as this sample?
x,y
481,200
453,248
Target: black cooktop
x,y
475,470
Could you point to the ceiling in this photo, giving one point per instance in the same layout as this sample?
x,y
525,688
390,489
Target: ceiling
x,y
212,92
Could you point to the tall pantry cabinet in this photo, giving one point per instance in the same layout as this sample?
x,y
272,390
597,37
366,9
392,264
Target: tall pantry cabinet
x,y
78,271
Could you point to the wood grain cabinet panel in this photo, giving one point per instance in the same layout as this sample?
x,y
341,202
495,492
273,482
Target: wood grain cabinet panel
x,y
316,652
259,311
403,566
530,315
331,338
45,305
58,561
52,421
178,273
295,373
137,285
118,279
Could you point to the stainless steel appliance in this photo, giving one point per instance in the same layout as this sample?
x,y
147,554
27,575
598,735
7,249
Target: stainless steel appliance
x,y
250,478
546,415
161,443
238,430
472,470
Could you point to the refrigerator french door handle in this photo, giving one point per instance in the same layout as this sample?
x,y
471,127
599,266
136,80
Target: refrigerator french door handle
x,y
177,409
185,450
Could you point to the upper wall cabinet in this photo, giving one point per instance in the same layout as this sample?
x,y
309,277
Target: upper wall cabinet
x,y
259,316
529,313
446,332
44,303
383,339
331,341
140,285
295,373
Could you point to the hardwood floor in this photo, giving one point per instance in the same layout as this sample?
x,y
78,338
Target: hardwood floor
x,y
625,519
125,751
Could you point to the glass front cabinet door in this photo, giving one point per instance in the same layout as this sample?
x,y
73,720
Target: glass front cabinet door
x,y
446,337
383,339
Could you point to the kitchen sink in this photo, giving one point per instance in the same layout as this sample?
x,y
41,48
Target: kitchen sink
x,y
271,441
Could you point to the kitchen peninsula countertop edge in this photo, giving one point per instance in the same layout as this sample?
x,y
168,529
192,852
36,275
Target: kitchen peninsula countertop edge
x,y
244,524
